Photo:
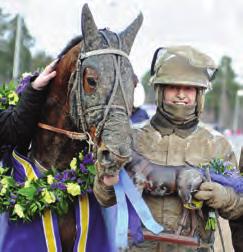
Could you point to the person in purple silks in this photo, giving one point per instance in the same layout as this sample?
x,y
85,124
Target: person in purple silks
x,y
17,125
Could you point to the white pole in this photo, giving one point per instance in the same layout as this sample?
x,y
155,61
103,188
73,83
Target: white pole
x,y
17,48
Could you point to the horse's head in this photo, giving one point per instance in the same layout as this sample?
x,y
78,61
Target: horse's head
x,y
100,90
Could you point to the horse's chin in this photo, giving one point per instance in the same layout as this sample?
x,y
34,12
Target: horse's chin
x,y
108,170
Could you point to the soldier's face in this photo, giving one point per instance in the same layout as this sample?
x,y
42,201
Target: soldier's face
x,y
183,95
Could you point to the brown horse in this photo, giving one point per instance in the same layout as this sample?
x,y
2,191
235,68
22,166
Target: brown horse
x,y
91,95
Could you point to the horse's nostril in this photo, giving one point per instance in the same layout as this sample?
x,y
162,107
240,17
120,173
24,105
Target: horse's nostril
x,y
122,150
106,155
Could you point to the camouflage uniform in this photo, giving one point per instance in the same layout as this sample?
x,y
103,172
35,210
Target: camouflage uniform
x,y
175,137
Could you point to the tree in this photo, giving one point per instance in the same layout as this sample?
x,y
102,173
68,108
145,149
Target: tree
x,y
39,60
8,32
221,99
28,62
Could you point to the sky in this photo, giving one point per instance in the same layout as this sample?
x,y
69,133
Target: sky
x,y
213,26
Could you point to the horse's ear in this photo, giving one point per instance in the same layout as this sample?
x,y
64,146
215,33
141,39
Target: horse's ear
x,y
89,29
128,35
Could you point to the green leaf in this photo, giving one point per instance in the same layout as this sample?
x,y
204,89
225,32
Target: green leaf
x,y
28,192
33,208
63,206
91,169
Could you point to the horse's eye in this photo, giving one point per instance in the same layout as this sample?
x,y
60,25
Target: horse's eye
x,y
90,80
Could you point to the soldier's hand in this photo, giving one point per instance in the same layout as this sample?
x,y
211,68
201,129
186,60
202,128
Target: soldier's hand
x,y
45,76
214,194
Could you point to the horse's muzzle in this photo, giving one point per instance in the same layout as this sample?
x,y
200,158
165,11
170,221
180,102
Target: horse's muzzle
x,y
112,159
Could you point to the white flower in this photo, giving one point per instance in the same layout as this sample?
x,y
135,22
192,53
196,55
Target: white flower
x,y
26,74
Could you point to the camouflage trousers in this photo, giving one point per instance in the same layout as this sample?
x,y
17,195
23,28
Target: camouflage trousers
x,y
155,246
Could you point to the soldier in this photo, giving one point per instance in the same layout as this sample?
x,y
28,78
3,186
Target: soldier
x,y
174,137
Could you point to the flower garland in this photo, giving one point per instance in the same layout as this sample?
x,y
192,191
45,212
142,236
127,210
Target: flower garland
x,y
54,190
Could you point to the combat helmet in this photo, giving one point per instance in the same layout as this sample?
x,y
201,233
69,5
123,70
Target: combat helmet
x,y
183,65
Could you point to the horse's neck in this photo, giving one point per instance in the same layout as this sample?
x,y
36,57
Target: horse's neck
x,y
52,149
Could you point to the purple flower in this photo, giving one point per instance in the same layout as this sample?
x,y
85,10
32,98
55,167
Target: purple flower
x,y
89,190
227,163
68,175
58,176
88,159
59,186
4,100
72,173
12,201
24,82
83,169
13,196
80,181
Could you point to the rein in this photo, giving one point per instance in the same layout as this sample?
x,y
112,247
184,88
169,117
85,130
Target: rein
x,y
71,134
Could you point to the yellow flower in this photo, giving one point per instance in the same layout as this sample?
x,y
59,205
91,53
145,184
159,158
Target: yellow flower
x,y
18,209
81,156
73,164
13,98
48,196
50,179
1,169
27,183
3,190
5,182
73,189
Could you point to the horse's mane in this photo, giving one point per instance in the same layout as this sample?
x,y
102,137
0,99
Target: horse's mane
x,y
73,42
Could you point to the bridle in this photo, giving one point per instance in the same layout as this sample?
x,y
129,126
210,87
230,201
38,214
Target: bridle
x,y
78,113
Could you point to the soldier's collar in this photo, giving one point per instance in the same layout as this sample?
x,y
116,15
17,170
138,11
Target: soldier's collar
x,y
166,128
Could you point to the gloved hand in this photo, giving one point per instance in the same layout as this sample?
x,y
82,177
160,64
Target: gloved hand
x,y
215,195
104,194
